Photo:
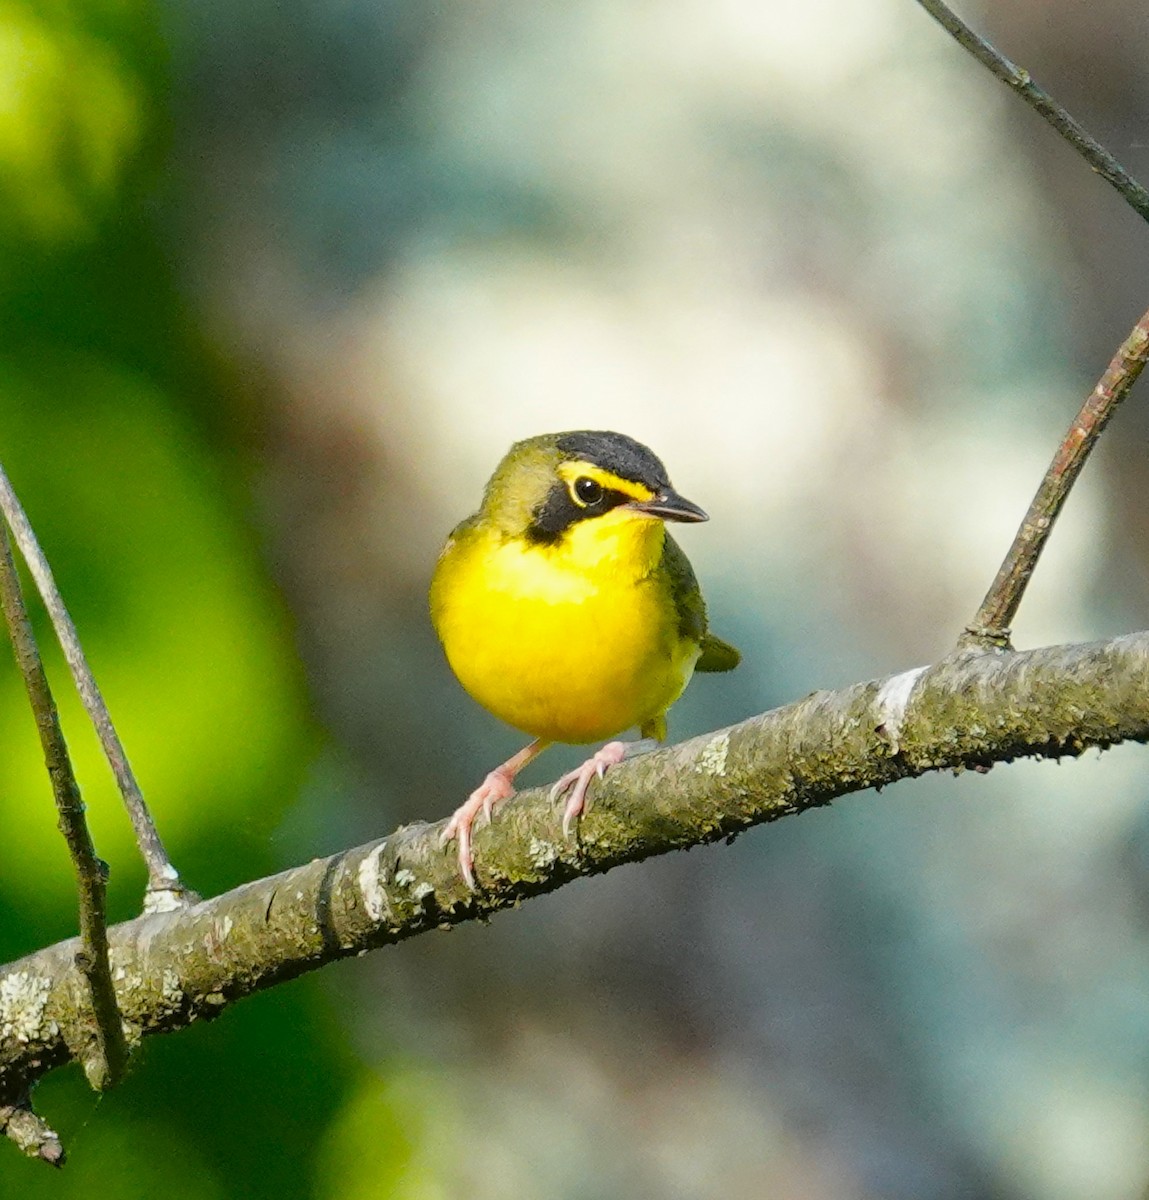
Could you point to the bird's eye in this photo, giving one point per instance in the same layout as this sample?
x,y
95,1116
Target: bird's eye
x,y
587,491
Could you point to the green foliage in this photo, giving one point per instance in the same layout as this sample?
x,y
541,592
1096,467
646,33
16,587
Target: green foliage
x,y
75,109
105,383
184,635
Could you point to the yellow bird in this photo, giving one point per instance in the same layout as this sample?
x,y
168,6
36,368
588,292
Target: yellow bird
x,y
567,610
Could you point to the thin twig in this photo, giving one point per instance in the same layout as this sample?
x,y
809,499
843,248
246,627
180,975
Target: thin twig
x,y
105,1063
164,889
1041,102
992,621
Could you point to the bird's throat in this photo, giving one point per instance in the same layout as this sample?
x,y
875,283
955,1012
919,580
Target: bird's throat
x,y
623,542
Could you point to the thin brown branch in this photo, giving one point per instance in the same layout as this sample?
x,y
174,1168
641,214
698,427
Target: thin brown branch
x,y
1095,154
104,1064
164,887
992,621
967,712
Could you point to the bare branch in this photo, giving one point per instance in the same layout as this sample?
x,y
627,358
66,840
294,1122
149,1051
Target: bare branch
x,y
1102,162
164,889
992,621
107,1058
971,710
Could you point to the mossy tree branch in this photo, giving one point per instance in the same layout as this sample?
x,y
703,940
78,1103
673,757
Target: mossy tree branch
x,y
970,711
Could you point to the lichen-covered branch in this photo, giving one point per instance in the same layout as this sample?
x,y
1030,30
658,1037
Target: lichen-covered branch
x,y
1095,154
993,619
104,1063
971,710
164,891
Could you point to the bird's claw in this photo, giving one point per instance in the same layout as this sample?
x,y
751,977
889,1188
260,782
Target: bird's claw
x,y
580,778
496,788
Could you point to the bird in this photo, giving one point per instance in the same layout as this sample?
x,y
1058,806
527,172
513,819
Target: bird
x,y
566,609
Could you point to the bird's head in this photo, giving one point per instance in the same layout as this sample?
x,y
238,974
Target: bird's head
x,y
589,483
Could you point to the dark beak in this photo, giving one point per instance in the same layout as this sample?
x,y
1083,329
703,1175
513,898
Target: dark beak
x,y
670,506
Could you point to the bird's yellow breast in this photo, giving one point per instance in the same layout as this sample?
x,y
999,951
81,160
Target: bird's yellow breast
x,y
571,642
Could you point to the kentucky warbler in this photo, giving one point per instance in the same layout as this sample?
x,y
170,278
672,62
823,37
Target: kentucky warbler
x,y
567,610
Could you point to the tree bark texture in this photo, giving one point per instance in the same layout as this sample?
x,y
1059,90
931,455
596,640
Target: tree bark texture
x,y
969,711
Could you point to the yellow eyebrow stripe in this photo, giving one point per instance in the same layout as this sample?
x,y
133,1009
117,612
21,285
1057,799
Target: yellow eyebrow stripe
x,y
570,471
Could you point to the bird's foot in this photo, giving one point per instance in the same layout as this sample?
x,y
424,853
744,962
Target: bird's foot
x,y
579,779
497,787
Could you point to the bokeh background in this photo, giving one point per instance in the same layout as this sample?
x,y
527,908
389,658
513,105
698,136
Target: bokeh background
x,y
280,282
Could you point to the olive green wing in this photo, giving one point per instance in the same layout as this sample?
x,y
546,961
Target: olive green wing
x,y
716,655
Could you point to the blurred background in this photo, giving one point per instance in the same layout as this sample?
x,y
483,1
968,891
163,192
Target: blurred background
x,y
280,282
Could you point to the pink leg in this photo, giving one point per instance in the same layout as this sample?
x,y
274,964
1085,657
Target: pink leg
x,y
498,786
610,755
